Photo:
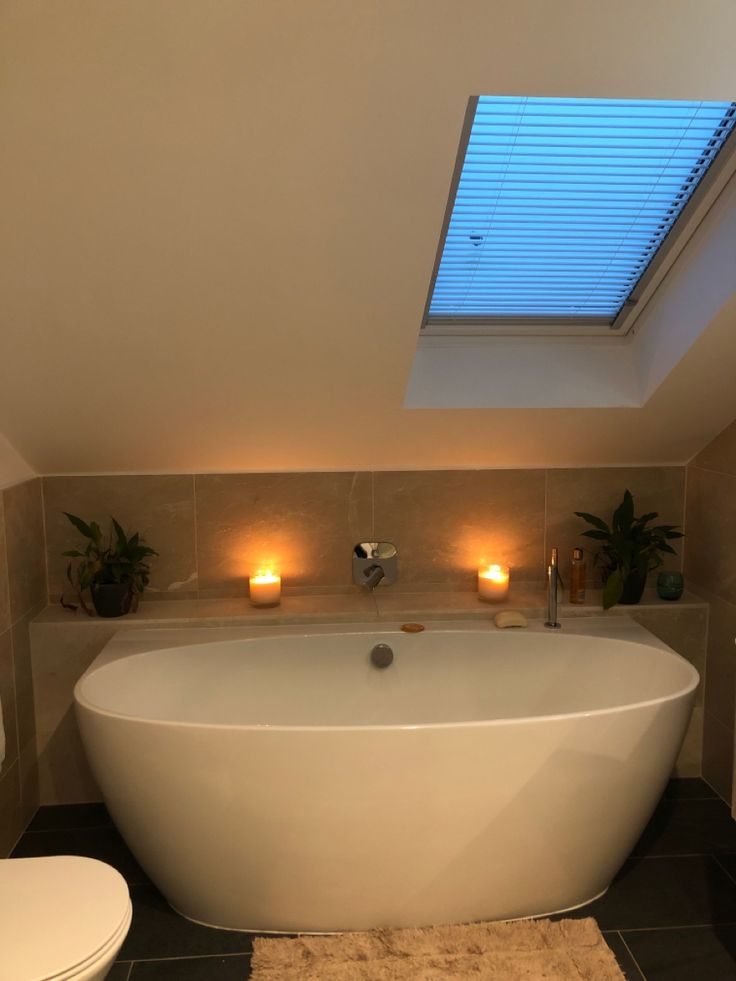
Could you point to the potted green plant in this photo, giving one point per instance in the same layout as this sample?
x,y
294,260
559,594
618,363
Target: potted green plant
x,y
628,550
114,569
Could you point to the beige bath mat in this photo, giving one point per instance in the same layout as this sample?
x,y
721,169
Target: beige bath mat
x,y
529,950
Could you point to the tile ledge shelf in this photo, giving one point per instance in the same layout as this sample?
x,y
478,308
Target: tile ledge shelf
x,y
340,607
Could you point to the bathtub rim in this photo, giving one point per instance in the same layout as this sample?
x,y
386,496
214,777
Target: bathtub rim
x,y
130,643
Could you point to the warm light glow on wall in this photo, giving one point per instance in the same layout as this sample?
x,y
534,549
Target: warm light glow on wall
x,y
248,554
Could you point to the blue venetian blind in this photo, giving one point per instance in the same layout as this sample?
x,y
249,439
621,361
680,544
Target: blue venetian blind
x,y
562,203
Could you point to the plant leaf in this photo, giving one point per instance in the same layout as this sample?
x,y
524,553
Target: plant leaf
x,y
613,588
623,516
592,520
80,525
122,537
96,533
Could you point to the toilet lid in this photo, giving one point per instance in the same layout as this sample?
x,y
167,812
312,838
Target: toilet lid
x,y
56,913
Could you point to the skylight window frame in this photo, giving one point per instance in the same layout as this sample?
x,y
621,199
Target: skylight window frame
x,y
718,174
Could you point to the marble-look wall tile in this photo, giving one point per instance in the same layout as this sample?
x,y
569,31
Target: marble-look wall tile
x,y
710,566
710,559
29,796
599,491
721,670
24,536
23,678
305,525
4,587
11,811
7,699
60,654
445,523
684,629
720,454
689,760
160,507
718,756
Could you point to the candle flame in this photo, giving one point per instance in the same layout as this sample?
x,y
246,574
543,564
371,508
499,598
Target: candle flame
x,y
495,572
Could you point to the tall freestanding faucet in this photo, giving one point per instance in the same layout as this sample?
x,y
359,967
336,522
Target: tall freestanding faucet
x,y
553,578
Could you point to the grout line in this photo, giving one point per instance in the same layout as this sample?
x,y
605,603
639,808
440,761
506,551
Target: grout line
x,y
684,522
196,535
130,971
45,541
13,675
676,926
631,955
5,556
373,506
195,957
723,868
640,857
721,473
728,803
687,800
86,827
545,543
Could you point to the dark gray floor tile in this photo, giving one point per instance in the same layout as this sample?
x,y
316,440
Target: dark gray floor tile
x,y
158,932
688,788
694,954
236,967
729,864
665,892
52,818
625,961
104,844
120,972
688,827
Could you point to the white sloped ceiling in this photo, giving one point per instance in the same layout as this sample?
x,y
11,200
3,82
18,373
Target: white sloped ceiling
x,y
220,219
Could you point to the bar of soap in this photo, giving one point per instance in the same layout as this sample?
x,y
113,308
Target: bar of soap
x,y
509,618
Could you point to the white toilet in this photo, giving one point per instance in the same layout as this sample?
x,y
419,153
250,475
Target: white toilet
x,y
62,918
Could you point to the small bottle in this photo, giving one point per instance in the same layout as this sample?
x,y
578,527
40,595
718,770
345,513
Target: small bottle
x,y
577,576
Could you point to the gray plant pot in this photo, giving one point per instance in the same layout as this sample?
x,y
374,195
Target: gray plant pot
x,y
111,599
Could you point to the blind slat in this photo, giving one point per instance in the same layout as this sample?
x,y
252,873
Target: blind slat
x,y
562,203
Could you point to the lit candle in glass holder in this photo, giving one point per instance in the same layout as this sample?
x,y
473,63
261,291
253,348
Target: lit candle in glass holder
x,y
265,588
493,583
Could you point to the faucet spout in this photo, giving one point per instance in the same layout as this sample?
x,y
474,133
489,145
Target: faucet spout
x,y
373,575
553,579
374,563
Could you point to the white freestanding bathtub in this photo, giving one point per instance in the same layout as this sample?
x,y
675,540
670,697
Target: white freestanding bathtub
x,y
275,780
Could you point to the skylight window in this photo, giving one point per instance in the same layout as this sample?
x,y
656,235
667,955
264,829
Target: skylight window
x,y
562,204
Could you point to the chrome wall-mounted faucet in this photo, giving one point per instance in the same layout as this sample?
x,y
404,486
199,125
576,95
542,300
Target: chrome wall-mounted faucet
x,y
553,580
374,563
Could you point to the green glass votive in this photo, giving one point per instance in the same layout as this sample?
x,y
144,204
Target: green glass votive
x,y
670,585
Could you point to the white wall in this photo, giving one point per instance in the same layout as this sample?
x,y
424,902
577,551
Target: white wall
x,y
13,468
220,221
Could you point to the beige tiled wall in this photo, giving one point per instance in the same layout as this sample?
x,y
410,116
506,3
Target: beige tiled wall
x,y
598,491
685,629
303,524
213,529
160,507
22,594
710,564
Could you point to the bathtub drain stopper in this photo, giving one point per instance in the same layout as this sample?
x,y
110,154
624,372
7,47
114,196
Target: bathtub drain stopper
x,y
381,656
